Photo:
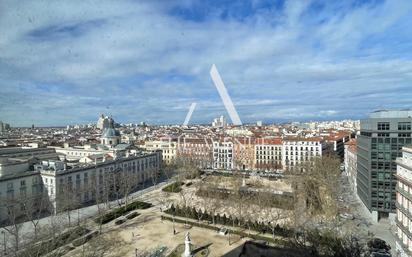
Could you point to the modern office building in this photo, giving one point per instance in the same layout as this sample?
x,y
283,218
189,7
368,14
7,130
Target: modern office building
x,y
381,139
404,204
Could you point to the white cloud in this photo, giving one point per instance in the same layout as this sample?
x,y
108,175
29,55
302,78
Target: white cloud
x,y
126,54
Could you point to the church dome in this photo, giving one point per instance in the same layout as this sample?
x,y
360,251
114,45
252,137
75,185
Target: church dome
x,y
110,132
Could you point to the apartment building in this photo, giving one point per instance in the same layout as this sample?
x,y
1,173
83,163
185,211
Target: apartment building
x,y
296,150
167,146
337,140
17,182
244,153
350,162
223,155
268,154
197,151
404,203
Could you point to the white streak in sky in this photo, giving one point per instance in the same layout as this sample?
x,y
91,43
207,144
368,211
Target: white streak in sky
x,y
227,101
189,114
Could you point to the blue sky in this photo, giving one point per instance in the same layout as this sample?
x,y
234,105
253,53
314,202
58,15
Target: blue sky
x,y
66,62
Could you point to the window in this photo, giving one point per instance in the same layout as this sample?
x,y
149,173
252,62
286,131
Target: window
x,y
383,125
404,126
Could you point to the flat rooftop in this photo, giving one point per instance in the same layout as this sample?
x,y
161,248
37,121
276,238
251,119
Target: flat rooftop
x,y
407,113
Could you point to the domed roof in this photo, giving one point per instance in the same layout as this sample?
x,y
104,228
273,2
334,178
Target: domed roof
x,y
110,132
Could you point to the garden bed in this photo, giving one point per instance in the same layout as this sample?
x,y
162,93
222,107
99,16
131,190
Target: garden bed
x,y
175,187
114,214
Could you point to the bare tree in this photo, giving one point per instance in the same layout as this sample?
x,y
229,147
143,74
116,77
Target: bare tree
x,y
316,189
98,195
35,208
238,196
272,216
210,195
186,197
13,207
127,184
68,200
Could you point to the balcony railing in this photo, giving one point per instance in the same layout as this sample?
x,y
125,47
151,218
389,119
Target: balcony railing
x,y
400,241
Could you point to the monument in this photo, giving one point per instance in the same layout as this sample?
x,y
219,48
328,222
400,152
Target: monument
x,y
188,246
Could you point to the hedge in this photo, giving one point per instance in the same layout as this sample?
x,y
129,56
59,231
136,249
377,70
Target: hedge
x,y
114,214
84,239
228,220
47,246
236,232
175,187
132,215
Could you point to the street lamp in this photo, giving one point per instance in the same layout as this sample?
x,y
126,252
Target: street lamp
x,y
4,242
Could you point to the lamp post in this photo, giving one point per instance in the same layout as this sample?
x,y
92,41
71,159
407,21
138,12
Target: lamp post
x,y
4,242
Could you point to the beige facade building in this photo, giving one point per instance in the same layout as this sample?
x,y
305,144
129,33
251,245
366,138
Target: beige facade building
x,y
23,183
351,162
167,146
244,153
268,154
196,150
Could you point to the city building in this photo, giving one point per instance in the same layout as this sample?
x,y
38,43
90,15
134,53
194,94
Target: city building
x,y
20,188
4,127
87,183
268,154
168,147
198,151
244,153
223,155
219,122
110,143
28,153
27,183
351,162
337,140
297,150
381,139
404,203
104,122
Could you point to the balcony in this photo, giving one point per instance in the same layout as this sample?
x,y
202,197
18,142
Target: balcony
x,y
399,240
404,211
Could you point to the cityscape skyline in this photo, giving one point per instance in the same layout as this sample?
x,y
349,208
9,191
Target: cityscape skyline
x,y
141,61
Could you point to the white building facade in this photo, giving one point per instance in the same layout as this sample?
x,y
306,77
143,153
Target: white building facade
x,y
223,155
404,203
351,162
64,187
298,150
